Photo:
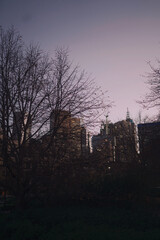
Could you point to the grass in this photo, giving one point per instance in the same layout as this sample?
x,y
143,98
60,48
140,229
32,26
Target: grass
x,y
80,223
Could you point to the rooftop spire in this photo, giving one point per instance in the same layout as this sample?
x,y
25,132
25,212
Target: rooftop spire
x,y
107,125
127,115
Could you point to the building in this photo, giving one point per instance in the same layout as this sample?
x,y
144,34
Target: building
x,y
103,143
70,136
21,126
149,143
126,145
59,119
119,140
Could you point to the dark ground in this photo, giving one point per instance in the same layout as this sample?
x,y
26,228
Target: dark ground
x,y
82,222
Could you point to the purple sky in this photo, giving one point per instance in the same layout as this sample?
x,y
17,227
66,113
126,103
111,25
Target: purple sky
x,y
111,40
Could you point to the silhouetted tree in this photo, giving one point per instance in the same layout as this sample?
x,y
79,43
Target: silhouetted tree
x,y
32,88
152,99
24,77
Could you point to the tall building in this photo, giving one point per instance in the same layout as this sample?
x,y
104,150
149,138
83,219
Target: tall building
x,y
126,146
119,139
103,143
59,119
21,126
69,133
149,143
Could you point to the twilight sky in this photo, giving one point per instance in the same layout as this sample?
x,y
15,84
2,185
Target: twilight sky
x,y
111,39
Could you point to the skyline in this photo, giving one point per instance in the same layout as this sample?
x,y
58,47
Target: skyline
x,y
111,41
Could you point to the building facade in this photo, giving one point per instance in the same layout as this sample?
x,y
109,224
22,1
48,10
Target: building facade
x,y
70,134
149,143
21,126
119,140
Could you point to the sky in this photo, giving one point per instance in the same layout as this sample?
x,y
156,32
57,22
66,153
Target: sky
x,y
112,40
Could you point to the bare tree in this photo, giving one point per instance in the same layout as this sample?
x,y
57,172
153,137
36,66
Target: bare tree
x,y
24,73
75,97
152,99
33,90
75,91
